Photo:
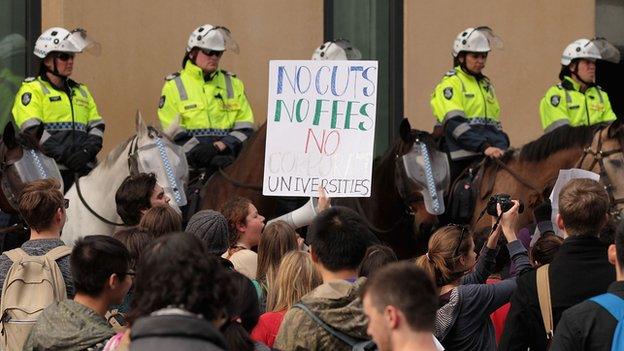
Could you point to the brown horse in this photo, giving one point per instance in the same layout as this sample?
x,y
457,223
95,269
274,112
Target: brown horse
x,y
385,211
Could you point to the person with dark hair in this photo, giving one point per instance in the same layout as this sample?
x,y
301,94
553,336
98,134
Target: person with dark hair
x,y
245,226
589,325
180,294
160,220
577,100
211,228
545,248
466,301
43,208
338,238
214,115
579,271
401,318
101,277
65,108
136,194
376,257
243,314
464,102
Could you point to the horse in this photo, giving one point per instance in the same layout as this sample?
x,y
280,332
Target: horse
x,y
389,215
92,208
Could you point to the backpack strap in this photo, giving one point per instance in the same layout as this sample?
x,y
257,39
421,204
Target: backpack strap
x,y
343,337
615,305
16,255
58,252
543,295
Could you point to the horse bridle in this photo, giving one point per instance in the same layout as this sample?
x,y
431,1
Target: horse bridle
x,y
599,156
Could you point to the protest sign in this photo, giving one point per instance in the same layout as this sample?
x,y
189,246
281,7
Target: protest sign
x,y
320,128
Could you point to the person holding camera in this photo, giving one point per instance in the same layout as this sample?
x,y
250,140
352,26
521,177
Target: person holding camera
x,y
466,301
580,269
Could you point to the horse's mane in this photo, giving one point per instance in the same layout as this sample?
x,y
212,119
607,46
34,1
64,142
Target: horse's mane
x,y
564,137
114,155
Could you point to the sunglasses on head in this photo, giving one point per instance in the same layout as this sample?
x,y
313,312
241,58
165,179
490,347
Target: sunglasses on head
x,y
212,52
66,203
64,56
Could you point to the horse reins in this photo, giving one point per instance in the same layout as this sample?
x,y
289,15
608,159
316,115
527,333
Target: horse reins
x,y
599,155
133,167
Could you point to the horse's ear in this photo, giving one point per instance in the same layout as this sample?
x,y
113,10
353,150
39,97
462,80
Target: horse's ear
x,y
173,129
8,137
139,125
405,130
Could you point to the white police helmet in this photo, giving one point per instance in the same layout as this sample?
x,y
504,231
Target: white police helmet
x,y
479,39
61,40
339,49
209,37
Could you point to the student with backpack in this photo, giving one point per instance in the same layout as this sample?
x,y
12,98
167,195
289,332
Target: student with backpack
x,y
27,289
100,267
596,324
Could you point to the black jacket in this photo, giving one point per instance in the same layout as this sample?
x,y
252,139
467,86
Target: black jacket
x,y
176,330
579,271
587,326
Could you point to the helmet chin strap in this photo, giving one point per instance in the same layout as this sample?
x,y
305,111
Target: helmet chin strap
x,y
55,70
578,78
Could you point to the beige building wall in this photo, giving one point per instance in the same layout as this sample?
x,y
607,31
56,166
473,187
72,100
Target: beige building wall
x,y
534,35
144,41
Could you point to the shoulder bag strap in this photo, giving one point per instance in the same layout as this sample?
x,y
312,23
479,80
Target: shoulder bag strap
x,y
543,295
344,338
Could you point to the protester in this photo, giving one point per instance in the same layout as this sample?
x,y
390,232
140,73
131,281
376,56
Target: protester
x,y
296,277
376,257
136,242
338,238
180,294
99,266
43,208
243,313
545,248
579,271
277,239
160,220
466,302
401,318
245,226
136,194
589,325
211,228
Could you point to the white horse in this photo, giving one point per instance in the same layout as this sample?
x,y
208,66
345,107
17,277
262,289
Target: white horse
x,y
153,153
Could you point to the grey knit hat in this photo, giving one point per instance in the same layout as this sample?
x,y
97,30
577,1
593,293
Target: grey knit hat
x,y
211,227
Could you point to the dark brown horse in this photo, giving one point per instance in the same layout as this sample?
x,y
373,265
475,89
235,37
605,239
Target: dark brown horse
x,y
386,212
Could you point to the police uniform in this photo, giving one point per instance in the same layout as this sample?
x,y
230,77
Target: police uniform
x,y
565,104
468,110
211,109
70,118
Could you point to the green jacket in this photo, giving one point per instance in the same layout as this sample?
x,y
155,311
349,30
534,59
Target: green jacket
x,y
338,304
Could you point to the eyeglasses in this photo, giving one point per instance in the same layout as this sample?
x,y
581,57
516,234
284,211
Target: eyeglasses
x,y
464,230
212,52
64,56
66,203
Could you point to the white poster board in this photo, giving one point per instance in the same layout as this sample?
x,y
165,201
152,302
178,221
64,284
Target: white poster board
x,y
320,128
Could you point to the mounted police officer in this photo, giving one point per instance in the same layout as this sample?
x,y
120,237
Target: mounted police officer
x,y
215,116
577,100
464,102
338,49
73,128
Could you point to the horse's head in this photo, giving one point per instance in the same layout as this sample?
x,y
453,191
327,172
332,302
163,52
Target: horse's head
x,y
421,174
153,152
605,156
21,162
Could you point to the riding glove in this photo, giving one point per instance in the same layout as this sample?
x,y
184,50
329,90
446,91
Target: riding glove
x,y
201,155
78,160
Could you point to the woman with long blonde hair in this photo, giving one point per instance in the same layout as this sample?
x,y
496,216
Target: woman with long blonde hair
x,y
296,277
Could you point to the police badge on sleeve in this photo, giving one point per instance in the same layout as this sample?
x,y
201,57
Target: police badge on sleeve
x,y
554,100
448,93
26,99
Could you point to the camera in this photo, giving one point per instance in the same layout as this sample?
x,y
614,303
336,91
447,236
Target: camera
x,y
505,203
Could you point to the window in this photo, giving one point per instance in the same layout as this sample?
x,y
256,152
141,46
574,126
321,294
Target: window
x,y
609,18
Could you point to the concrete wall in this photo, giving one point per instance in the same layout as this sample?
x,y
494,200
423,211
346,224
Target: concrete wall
x,y
144,41
534,35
